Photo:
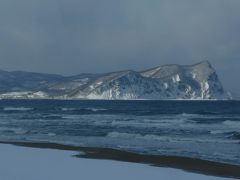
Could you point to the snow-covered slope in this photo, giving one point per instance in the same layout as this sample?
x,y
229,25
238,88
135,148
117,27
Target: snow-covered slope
x,y
199,81
121,85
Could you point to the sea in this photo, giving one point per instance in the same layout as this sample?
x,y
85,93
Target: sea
x,y
208,130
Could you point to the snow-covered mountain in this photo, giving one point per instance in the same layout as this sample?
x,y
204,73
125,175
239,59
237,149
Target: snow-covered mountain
x,y
199,81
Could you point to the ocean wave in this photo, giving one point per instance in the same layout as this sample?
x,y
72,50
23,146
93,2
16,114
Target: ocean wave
x,y
215,132
51,134
52,117
189,115
232,124
17,109
84,109
71,117
168,139
17,131
235,135
133,136
148,123
228,134
68,109
209,113
96,109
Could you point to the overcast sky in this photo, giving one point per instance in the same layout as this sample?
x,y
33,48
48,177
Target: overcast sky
x,y
76,36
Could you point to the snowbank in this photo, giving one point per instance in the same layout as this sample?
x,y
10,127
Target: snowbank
x,y
20,163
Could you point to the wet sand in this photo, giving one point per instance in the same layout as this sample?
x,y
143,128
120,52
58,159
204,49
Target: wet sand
x,y
184,163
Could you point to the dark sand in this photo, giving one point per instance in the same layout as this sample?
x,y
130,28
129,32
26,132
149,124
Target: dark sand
x,y
184,163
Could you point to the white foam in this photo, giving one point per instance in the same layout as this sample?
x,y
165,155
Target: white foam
x,y
190,115
232,124
17,109
68,109
123,135
137,136
18,131
51,134
167,138
217,132
96,109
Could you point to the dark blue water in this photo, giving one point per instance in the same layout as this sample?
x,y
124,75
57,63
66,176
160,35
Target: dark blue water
x,y
200,129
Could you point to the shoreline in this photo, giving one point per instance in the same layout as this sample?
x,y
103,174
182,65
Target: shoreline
x,y
183,163
76,99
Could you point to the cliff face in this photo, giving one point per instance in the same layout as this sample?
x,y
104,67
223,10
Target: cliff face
x,y
199,81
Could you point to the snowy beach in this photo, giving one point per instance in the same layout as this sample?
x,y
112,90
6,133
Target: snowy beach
x,y
25,163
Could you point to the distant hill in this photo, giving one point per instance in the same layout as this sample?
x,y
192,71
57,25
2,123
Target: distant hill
x,y
168,82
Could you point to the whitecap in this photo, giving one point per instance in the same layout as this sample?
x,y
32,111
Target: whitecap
x,y
135,136
68,109
18,131
17,109
51,134
217,132
96,109
189,115
167,139
232,124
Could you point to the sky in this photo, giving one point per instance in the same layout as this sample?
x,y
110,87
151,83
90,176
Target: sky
x,y
78,36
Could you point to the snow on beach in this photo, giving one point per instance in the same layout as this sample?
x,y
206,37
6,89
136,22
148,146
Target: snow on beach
x,y
21,163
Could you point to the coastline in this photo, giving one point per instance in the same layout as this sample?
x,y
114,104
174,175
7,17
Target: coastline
x,y
183,163
123,100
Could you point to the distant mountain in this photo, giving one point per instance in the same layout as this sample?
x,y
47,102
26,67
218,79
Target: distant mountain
x,y
18,81
196,82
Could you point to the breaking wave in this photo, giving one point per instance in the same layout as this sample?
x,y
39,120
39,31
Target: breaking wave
x,y
17,131
168,139
215,132
235,135
17,109
134,136
51,134
232,124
